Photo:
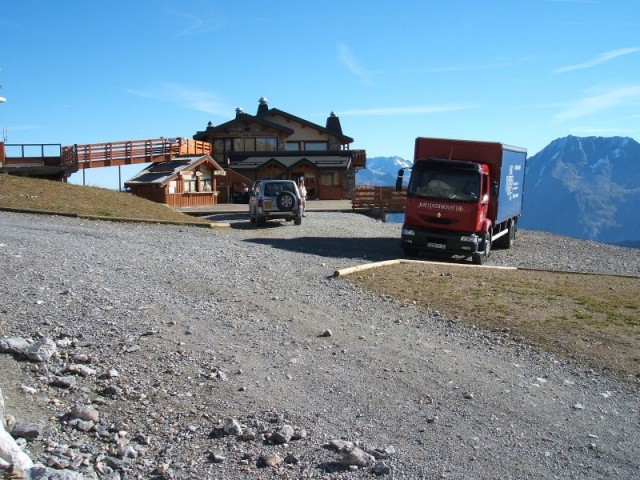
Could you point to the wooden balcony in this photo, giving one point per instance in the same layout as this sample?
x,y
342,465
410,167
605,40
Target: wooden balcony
x,y
132,152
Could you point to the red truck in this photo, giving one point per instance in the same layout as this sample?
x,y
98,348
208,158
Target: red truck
x,y
463,196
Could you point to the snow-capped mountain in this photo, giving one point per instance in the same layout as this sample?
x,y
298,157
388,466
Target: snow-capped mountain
x,y
382,171
585,188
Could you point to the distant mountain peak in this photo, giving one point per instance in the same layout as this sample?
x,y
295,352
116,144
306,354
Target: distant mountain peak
x,y
585,187
382,171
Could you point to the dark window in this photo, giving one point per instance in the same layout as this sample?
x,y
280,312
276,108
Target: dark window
x,y
329,179
316,146
266,144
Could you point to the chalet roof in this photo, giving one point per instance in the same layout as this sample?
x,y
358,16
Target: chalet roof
x,y
242,117
162,172
333,127
288,161
334,132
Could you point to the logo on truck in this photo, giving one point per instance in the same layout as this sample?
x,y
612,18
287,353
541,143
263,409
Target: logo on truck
x,y
441,206
511,186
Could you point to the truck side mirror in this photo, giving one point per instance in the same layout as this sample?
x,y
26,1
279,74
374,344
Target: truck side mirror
x,y
399,180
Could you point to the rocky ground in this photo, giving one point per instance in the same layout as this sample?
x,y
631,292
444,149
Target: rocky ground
x,y
187,353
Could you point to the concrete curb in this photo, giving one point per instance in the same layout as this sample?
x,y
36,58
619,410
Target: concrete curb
x,y
367,266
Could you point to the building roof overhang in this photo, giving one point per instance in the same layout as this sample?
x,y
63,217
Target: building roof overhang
x,y
160,173
324,162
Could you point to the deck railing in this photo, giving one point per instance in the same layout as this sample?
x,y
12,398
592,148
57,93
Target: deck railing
x,y
132,152
18,155
379,199
359,158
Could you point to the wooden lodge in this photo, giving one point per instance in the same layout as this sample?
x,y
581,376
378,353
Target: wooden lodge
x,y
218,165
274,144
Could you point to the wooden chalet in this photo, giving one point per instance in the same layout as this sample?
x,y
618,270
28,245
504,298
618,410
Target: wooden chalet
x,y
179,182
274,144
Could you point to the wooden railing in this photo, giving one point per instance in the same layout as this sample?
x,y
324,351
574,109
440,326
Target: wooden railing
x,y
380,199
359,158
29,154
132,152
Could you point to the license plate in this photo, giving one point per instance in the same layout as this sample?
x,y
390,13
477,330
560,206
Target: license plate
x,y
268,204
436,245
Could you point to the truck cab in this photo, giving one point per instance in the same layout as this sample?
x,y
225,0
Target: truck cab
x,y
451,195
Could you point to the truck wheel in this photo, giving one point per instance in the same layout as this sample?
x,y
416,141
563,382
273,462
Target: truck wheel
x,y
511,236
506,241
480,257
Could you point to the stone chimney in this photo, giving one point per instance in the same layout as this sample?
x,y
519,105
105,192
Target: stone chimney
x,y
239,111
333,124
263,107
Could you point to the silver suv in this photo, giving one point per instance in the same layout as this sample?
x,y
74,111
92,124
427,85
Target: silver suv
x,y
274,199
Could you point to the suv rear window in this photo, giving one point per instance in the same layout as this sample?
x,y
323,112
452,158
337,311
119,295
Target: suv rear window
x,y
273,189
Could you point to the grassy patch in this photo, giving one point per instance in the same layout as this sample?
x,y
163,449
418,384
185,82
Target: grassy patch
x,y
591,319
63,198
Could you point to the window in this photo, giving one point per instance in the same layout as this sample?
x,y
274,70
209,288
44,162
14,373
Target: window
x,y
207,185
206,182
292,146
316,146
330,179
190,182
441,184
244,144
266,144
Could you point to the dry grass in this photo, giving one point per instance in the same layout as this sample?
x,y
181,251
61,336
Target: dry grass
x,y
56,197
590,319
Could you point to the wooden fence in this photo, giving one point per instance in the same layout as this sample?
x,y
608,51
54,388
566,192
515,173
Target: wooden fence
x,y
378,200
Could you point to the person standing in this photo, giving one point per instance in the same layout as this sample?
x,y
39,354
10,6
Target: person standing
x,y
303,196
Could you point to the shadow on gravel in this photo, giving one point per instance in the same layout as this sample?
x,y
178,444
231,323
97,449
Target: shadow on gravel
x,y
373,249
332,467
229,217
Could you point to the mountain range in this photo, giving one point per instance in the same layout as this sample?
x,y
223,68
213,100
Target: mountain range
x,y
382,171
582,187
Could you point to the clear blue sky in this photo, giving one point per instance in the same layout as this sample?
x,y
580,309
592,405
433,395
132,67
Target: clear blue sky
x,y
523,72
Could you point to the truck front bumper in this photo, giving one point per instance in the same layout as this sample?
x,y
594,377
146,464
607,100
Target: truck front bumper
x,y
453,243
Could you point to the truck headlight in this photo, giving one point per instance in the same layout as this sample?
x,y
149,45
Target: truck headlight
x,y
408,231
471,238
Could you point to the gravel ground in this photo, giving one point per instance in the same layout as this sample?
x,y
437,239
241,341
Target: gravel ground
x,y
235,353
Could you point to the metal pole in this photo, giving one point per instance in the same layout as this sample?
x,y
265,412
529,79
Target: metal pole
x,y
119,179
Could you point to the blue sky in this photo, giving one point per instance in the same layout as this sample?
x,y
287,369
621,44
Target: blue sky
x,y
522,72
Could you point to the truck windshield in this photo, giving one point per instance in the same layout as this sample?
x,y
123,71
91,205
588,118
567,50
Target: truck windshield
x,y
445,185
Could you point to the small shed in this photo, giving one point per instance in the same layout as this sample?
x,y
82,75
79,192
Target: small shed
x,y
180,182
